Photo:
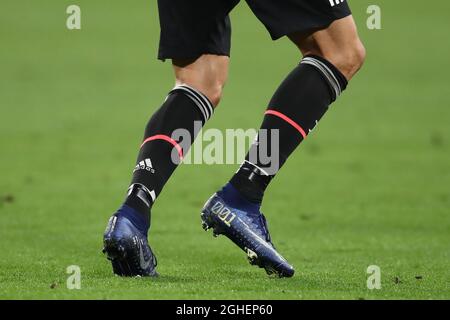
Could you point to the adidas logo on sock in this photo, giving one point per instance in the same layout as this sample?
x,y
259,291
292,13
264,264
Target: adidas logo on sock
x,y
145,165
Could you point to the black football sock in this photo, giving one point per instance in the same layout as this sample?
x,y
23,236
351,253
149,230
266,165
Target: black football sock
x,y
296,107
168,136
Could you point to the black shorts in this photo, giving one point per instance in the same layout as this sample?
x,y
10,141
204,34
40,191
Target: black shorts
x,y
190,28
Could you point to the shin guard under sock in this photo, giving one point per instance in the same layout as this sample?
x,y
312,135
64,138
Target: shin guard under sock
x,y
295,109
168,136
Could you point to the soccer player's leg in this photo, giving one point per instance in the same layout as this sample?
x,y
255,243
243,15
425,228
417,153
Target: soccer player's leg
x,y
199,84
333,54
200,68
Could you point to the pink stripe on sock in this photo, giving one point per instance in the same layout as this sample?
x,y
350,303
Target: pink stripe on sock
x,y
288,120
168,139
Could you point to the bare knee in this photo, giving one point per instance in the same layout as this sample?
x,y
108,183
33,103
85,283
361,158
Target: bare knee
x,y
349,60
207,74
212,86
213,90
339,43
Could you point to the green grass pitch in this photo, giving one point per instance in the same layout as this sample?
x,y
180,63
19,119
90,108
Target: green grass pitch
x,y
371,186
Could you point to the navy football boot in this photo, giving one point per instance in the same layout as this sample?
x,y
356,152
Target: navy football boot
x,y
127,247
228,213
